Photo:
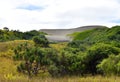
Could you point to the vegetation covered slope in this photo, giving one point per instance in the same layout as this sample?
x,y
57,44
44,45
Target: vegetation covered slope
x,y
91,52
98,34
98,45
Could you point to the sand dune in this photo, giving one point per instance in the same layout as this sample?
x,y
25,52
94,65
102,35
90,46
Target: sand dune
x,y
60,35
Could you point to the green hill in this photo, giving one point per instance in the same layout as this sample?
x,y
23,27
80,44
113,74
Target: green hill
x,y
98,34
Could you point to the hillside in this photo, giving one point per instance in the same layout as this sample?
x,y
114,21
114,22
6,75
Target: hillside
x,y
60,35
69,31
92,52
98,34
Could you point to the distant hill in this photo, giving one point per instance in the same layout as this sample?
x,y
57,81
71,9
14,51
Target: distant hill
x,y
61,34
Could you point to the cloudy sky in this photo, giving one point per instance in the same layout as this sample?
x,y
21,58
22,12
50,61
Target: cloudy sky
x,y
41,14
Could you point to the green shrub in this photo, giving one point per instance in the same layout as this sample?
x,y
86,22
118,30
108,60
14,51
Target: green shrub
x,y
41,41
96,54
110,66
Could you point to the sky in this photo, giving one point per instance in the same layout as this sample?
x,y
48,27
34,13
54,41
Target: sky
x,y
25,15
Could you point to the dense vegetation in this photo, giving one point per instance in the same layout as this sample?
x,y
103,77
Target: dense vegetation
x,y
86,54
92,52
9,35
98,46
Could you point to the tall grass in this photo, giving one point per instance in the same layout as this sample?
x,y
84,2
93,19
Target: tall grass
x,y
8,67
64,79
59,46
5,46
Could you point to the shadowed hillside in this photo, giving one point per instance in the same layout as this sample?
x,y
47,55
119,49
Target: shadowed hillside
x,y
61,34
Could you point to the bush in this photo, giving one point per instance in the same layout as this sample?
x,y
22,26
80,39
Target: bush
x,y
96,54
110,66
41,41
31,59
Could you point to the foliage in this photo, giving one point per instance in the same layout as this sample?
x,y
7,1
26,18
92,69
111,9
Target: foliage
x,y
82,56
99,35
97,44
82,35
9,35
110,65
30,34
96,54
41,40
91,52
30,57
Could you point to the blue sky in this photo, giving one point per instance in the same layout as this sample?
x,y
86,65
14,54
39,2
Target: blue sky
x,y
116,21
27,15
30,7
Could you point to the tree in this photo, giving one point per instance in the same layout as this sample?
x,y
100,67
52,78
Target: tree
x,y
6,28
41,41
31,59
96,54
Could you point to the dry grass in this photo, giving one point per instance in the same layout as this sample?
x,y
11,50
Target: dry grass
x,y
7,65
5,46
63,79
59,46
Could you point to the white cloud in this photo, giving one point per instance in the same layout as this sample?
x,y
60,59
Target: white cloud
x,y
58,13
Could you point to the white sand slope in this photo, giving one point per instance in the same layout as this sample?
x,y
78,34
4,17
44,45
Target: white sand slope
x,y
60,35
